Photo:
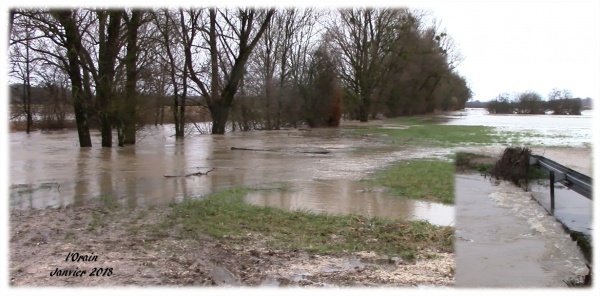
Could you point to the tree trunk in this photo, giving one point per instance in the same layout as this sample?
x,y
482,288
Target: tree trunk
x,y
27,97
29,117
219,112
162,115
105,129
181,113
363,110
81,118
178,133
73,44
108,50
156,116
131,80
177,118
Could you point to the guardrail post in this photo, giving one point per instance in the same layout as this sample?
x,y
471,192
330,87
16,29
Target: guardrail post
x,y
552,192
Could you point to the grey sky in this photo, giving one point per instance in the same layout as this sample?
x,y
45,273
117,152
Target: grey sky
x,y
513,46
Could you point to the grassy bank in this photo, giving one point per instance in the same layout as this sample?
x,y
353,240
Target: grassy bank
x,y
226,216
419,179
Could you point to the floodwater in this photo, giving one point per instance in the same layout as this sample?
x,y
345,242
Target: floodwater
x,y
321,170
570,208
540,130
504,238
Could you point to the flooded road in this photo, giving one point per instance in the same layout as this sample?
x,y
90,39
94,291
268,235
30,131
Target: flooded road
x,y
321,170
504,238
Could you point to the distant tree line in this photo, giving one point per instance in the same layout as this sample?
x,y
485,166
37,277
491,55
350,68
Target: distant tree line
x,y
476,104
525,103
559,102
245,68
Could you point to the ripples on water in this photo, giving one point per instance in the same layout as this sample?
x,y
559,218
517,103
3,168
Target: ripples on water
x,y
563,251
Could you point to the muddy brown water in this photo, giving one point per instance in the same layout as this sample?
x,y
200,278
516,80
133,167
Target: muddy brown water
x,y
50,170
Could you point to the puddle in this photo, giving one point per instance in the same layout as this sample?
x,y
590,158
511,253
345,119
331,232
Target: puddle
x,y
322,167
505,239
347,196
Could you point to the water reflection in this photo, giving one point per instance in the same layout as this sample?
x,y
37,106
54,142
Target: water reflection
x,y
347,196
134,175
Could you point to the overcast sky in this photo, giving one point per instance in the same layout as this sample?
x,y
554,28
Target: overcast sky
x,y
508,46
514,46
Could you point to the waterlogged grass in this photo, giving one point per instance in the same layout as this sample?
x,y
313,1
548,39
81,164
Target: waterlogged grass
x,y
419,179
531,139
425,131
225,215
434,135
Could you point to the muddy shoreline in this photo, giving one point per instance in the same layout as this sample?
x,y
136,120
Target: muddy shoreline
x,y
41,240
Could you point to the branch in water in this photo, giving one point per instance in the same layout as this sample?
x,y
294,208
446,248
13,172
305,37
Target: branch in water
x,y
192,174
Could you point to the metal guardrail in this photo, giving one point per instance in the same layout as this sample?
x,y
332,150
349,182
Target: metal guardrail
x,y
572,179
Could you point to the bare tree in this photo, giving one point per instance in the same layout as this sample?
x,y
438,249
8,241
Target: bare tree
x,y
55,83
23,63
168,25
271,70
229,36
364,37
